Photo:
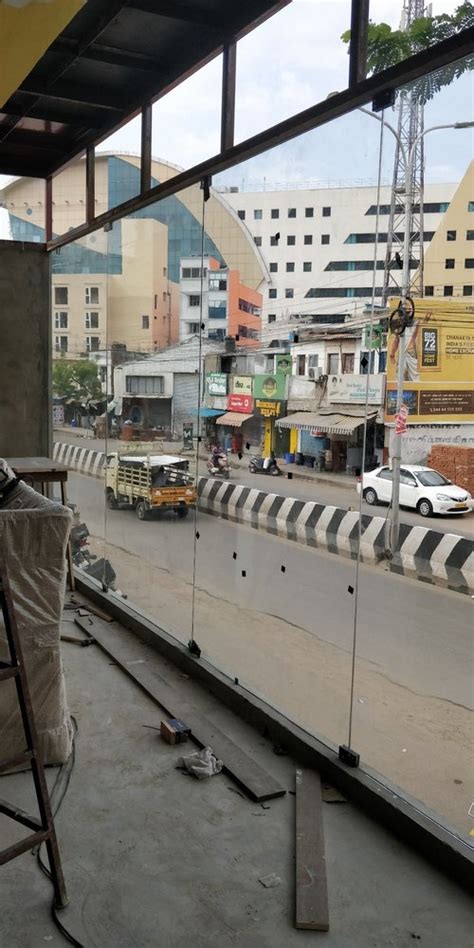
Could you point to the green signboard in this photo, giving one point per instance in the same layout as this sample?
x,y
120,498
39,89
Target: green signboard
x,y
270,387
283,363
216,383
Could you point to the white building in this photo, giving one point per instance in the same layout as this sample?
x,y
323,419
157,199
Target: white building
x,y
318,246
212,308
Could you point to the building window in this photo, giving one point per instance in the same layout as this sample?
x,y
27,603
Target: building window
x,y
333,363
273,241
247,307
307,266
92,320
291,240
194,300
470,235
60,295
217,309
258,241
429,291
467,291
289,294
447,291
92,343
145,322
290,267
164,296
192,273
301,365
272,294
308,238
257,214
61,343
382,361
91,295
348,363
449,263
470,206
60,320
292,212
156,301
193,328
145,385
324,238
451,234
313,361
309,212
273,268
366,364
469,263
275,213
326,212
241,214
217,282
164,271
272,317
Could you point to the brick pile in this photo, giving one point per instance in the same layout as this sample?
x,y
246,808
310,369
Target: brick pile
x,y
456,463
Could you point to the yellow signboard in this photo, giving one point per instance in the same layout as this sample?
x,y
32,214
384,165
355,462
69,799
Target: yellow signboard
x,y
439,363
27,28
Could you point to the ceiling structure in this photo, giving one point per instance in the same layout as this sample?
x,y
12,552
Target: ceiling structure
x,y
109,60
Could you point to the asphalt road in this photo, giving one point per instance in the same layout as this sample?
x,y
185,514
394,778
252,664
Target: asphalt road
x,y
279,617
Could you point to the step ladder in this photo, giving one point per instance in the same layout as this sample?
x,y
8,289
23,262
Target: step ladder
x,y
43,828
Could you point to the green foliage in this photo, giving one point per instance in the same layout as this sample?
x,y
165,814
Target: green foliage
x,y
77,381
387,47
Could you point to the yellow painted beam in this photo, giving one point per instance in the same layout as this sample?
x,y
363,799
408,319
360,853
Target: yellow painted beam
x,y
27,28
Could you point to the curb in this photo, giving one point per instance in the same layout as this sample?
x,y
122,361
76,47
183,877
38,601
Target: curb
x,y
440,559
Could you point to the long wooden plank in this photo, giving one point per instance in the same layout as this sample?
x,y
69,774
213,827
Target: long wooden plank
x,y
312,909
256,782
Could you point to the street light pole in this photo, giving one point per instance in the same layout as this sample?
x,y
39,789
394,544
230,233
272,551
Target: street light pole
x,y
407,159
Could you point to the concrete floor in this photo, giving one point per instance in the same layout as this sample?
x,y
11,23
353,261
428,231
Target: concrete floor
x,y
155,859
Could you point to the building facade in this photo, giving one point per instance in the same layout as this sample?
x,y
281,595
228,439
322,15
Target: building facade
x,y
217,299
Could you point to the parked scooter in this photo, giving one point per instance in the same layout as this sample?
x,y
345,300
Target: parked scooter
x,y
259,465
218,465
99,569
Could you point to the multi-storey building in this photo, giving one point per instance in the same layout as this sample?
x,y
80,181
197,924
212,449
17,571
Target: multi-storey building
x,y
217,299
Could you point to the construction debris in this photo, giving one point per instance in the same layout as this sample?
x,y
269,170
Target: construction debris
x,y
201,764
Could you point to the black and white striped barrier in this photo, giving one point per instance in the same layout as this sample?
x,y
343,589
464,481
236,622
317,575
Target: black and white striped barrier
x,y
442,559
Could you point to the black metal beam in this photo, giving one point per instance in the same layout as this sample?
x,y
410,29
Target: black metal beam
x,y
358,44
335,107
46,111
74,93
177,10
145,154
229,60
48,215
90,184
111,55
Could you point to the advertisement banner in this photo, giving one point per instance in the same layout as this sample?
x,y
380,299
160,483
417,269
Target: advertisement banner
x,y
242,384
242,403
439,363
283,363
216,383
269,387
269,409
352,389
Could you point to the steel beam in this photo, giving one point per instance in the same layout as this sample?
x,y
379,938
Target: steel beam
x,y
358,44
336,106
145,163
90,184
229,60
177,10
106,54
48,213
72,93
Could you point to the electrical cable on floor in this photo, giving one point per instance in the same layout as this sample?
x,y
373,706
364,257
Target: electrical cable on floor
x,y
58,793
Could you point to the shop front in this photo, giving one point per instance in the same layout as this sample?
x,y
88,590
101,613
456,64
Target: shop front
x,y
269,405
239,427
333,440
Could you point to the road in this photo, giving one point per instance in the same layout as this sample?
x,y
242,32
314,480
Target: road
x,y
279,617
315,490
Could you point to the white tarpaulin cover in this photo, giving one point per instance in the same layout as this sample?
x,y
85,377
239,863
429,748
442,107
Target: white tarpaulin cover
x,y
33,537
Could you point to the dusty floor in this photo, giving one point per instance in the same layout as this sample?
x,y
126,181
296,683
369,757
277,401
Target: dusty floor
x,y
155,859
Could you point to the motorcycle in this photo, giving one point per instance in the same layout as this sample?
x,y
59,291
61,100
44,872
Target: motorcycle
x,y
258,465
218,465
99,569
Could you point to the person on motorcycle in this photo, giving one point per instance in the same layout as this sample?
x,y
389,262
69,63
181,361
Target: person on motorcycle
x,y
269,462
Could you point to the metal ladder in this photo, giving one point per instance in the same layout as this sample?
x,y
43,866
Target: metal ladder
x,y
43,828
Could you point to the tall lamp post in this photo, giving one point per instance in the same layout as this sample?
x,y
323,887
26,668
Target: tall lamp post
x,y
407,159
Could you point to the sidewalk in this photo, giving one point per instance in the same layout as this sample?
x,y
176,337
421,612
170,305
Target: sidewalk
x,y
84,438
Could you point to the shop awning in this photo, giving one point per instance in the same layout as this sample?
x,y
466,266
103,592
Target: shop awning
x,y
207,412
331,422
234,419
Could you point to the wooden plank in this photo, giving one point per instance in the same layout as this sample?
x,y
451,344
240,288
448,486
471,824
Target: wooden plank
x,y
249,775
312,910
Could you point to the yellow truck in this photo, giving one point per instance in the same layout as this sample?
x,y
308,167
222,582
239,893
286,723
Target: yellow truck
x,y
148,483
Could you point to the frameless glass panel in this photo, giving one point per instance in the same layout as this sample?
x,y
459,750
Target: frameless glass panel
x,y
117,166
22,209
186,122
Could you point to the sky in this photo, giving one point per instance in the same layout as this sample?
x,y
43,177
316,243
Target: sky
x,y
293,60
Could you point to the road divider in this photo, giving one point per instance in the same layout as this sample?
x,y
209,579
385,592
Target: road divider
x,y
442,559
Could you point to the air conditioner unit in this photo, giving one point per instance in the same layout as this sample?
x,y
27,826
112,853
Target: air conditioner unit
x,y
315,373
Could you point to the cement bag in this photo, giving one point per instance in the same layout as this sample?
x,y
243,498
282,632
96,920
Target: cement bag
x,y
33,545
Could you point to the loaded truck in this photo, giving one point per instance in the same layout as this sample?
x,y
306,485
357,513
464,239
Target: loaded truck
x,y
148,483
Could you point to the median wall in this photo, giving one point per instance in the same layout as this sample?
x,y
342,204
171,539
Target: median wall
x,y
442,559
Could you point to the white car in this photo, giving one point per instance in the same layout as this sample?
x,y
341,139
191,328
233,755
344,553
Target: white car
x,y
426,490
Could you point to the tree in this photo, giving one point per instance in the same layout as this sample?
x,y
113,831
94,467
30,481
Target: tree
x,y
387,47
77,381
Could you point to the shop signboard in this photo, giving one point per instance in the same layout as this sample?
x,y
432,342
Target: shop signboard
x,y
269,409
352,389
439,363
240,403
188,432
269,387
242,384
216,383
283,363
